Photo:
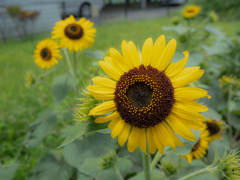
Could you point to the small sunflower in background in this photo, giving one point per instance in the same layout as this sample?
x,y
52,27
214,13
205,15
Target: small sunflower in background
x,y
214,128
147,96
200,148
74,35
47,53
191,11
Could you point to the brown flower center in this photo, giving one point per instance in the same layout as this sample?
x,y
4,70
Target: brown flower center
x,y
144,96
46,54
73,31
196,146
190,11
212,127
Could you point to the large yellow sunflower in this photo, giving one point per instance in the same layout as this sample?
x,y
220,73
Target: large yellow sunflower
x,y
47,53
214,128
191,11
74,35
147,96
200,148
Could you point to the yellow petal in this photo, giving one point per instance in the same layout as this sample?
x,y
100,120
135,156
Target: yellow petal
x,y
189,93
158,48
147,49
105,82
157,141
130,53
164,136
133,140
127,58
178,127
113,123
118,60
110,70
122,137
184,80
101,93
107,118
175,68
151,145
104,108
118,128
185,113
142,141
167,55
174,137
194,105
185,72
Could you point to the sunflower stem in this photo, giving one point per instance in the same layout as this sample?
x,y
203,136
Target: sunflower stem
x,y
155,160
229,114
75,63
64,67
118,174
68,61
212,170
147,165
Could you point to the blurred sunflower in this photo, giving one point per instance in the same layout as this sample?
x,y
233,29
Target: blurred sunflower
x,y
147,96
191,11
214,128
74,35
47,53
200,148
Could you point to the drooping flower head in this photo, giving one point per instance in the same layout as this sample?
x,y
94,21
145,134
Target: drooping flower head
x,y
200,148
214,128
191,11
74,35
146,96
47,53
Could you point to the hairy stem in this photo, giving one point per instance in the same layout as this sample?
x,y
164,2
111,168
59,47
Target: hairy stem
x,y
155,160
146,165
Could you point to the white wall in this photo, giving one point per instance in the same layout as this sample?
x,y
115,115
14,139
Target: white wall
x,y
50,12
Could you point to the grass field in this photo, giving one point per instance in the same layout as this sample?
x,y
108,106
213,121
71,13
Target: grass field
x,y
19,106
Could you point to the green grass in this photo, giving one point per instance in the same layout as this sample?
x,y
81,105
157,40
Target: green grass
x,y
19,106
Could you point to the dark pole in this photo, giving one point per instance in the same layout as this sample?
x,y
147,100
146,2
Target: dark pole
x,y
63,10
126,8
168,7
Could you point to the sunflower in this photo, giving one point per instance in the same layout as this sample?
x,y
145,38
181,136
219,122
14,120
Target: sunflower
x,y
147,96
74,35
191,11
214,128
47,53
200,148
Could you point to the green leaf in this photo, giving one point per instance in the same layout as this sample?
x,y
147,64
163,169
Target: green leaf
x,y
81,176
50,168
219,47
179,29
232,106
220,145
92,168
8,172
81,129
96,145
235,120
62,85
213,30
42,127
95,54
211,113
195,59
156,175
123,165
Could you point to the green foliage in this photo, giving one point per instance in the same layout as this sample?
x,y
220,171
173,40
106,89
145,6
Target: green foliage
x,y
8,172
62,85
224,8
